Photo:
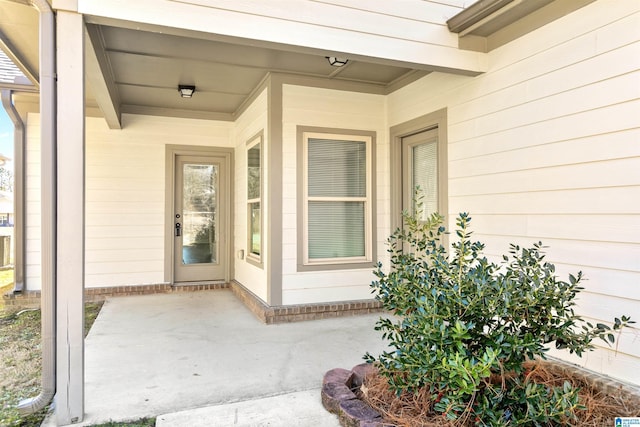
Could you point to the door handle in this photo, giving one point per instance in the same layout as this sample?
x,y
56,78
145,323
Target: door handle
x,y
178,229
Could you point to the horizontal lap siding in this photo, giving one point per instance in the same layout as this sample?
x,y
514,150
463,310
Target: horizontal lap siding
x,y
125,194
331,109
546,146
400,21
253,120
411,31
405,21
33,278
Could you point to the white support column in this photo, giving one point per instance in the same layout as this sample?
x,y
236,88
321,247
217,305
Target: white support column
x,y
70,219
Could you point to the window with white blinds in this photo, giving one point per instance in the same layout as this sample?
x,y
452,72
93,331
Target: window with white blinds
x,y
337,198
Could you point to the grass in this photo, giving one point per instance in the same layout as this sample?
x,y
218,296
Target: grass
x,y
21,358
6,284
20,362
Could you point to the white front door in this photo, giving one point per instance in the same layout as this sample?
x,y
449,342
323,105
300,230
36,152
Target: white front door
x,y
200,210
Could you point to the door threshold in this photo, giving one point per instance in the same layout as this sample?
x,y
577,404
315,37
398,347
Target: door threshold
x,y
220,283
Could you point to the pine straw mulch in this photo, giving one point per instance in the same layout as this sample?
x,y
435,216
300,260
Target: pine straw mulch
x,y
415,410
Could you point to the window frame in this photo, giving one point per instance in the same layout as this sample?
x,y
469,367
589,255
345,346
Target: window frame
x,y
408,158
251,257
436,121
367,260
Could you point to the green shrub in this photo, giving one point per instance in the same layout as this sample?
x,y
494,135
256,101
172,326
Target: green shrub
x,y
464,326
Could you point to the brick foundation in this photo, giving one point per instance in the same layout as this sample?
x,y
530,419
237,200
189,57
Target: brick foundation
x,y
265,313
301,312
31,299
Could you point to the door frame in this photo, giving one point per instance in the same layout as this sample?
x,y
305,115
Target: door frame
x,y
171,152
436,120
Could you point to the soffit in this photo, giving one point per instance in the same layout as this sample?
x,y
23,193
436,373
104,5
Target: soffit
x,y
19,36
139,70
147,67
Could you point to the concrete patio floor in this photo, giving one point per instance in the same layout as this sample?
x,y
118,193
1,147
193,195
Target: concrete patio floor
x,y
202,358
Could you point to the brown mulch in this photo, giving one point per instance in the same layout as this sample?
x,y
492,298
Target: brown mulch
x,y
415,410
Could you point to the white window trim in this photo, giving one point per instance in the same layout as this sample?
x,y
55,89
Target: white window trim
x,y
251,257
368,201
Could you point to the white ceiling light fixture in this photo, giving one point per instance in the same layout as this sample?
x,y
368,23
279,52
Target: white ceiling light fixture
x,y
337,62
186,91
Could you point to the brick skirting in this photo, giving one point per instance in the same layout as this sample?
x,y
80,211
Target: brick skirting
x,y
265,313
31,299
300,312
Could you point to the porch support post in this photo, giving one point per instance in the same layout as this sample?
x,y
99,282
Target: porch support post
x,y
274,193
70,218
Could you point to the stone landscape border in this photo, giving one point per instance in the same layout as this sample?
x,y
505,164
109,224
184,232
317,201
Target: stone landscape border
x,y
339,397
340,386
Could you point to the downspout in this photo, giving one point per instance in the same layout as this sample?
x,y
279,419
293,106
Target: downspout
x,y
48,204
18,190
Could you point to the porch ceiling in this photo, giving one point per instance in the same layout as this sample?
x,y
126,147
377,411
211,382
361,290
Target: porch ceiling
x,y
137,69
19,36
147,67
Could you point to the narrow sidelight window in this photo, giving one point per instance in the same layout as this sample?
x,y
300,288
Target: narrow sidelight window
x,y
254,198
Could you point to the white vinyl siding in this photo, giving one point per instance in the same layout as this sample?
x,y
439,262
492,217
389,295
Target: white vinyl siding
x,y
415,32
125,194
252,122
544,147
33,185
325,108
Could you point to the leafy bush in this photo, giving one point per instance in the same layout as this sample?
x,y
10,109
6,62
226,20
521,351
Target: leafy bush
x,y
464,326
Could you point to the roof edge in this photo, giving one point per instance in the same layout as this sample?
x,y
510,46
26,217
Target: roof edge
x,y
474,14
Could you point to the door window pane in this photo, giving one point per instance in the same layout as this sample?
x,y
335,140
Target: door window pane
x,y
425,175
199,214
